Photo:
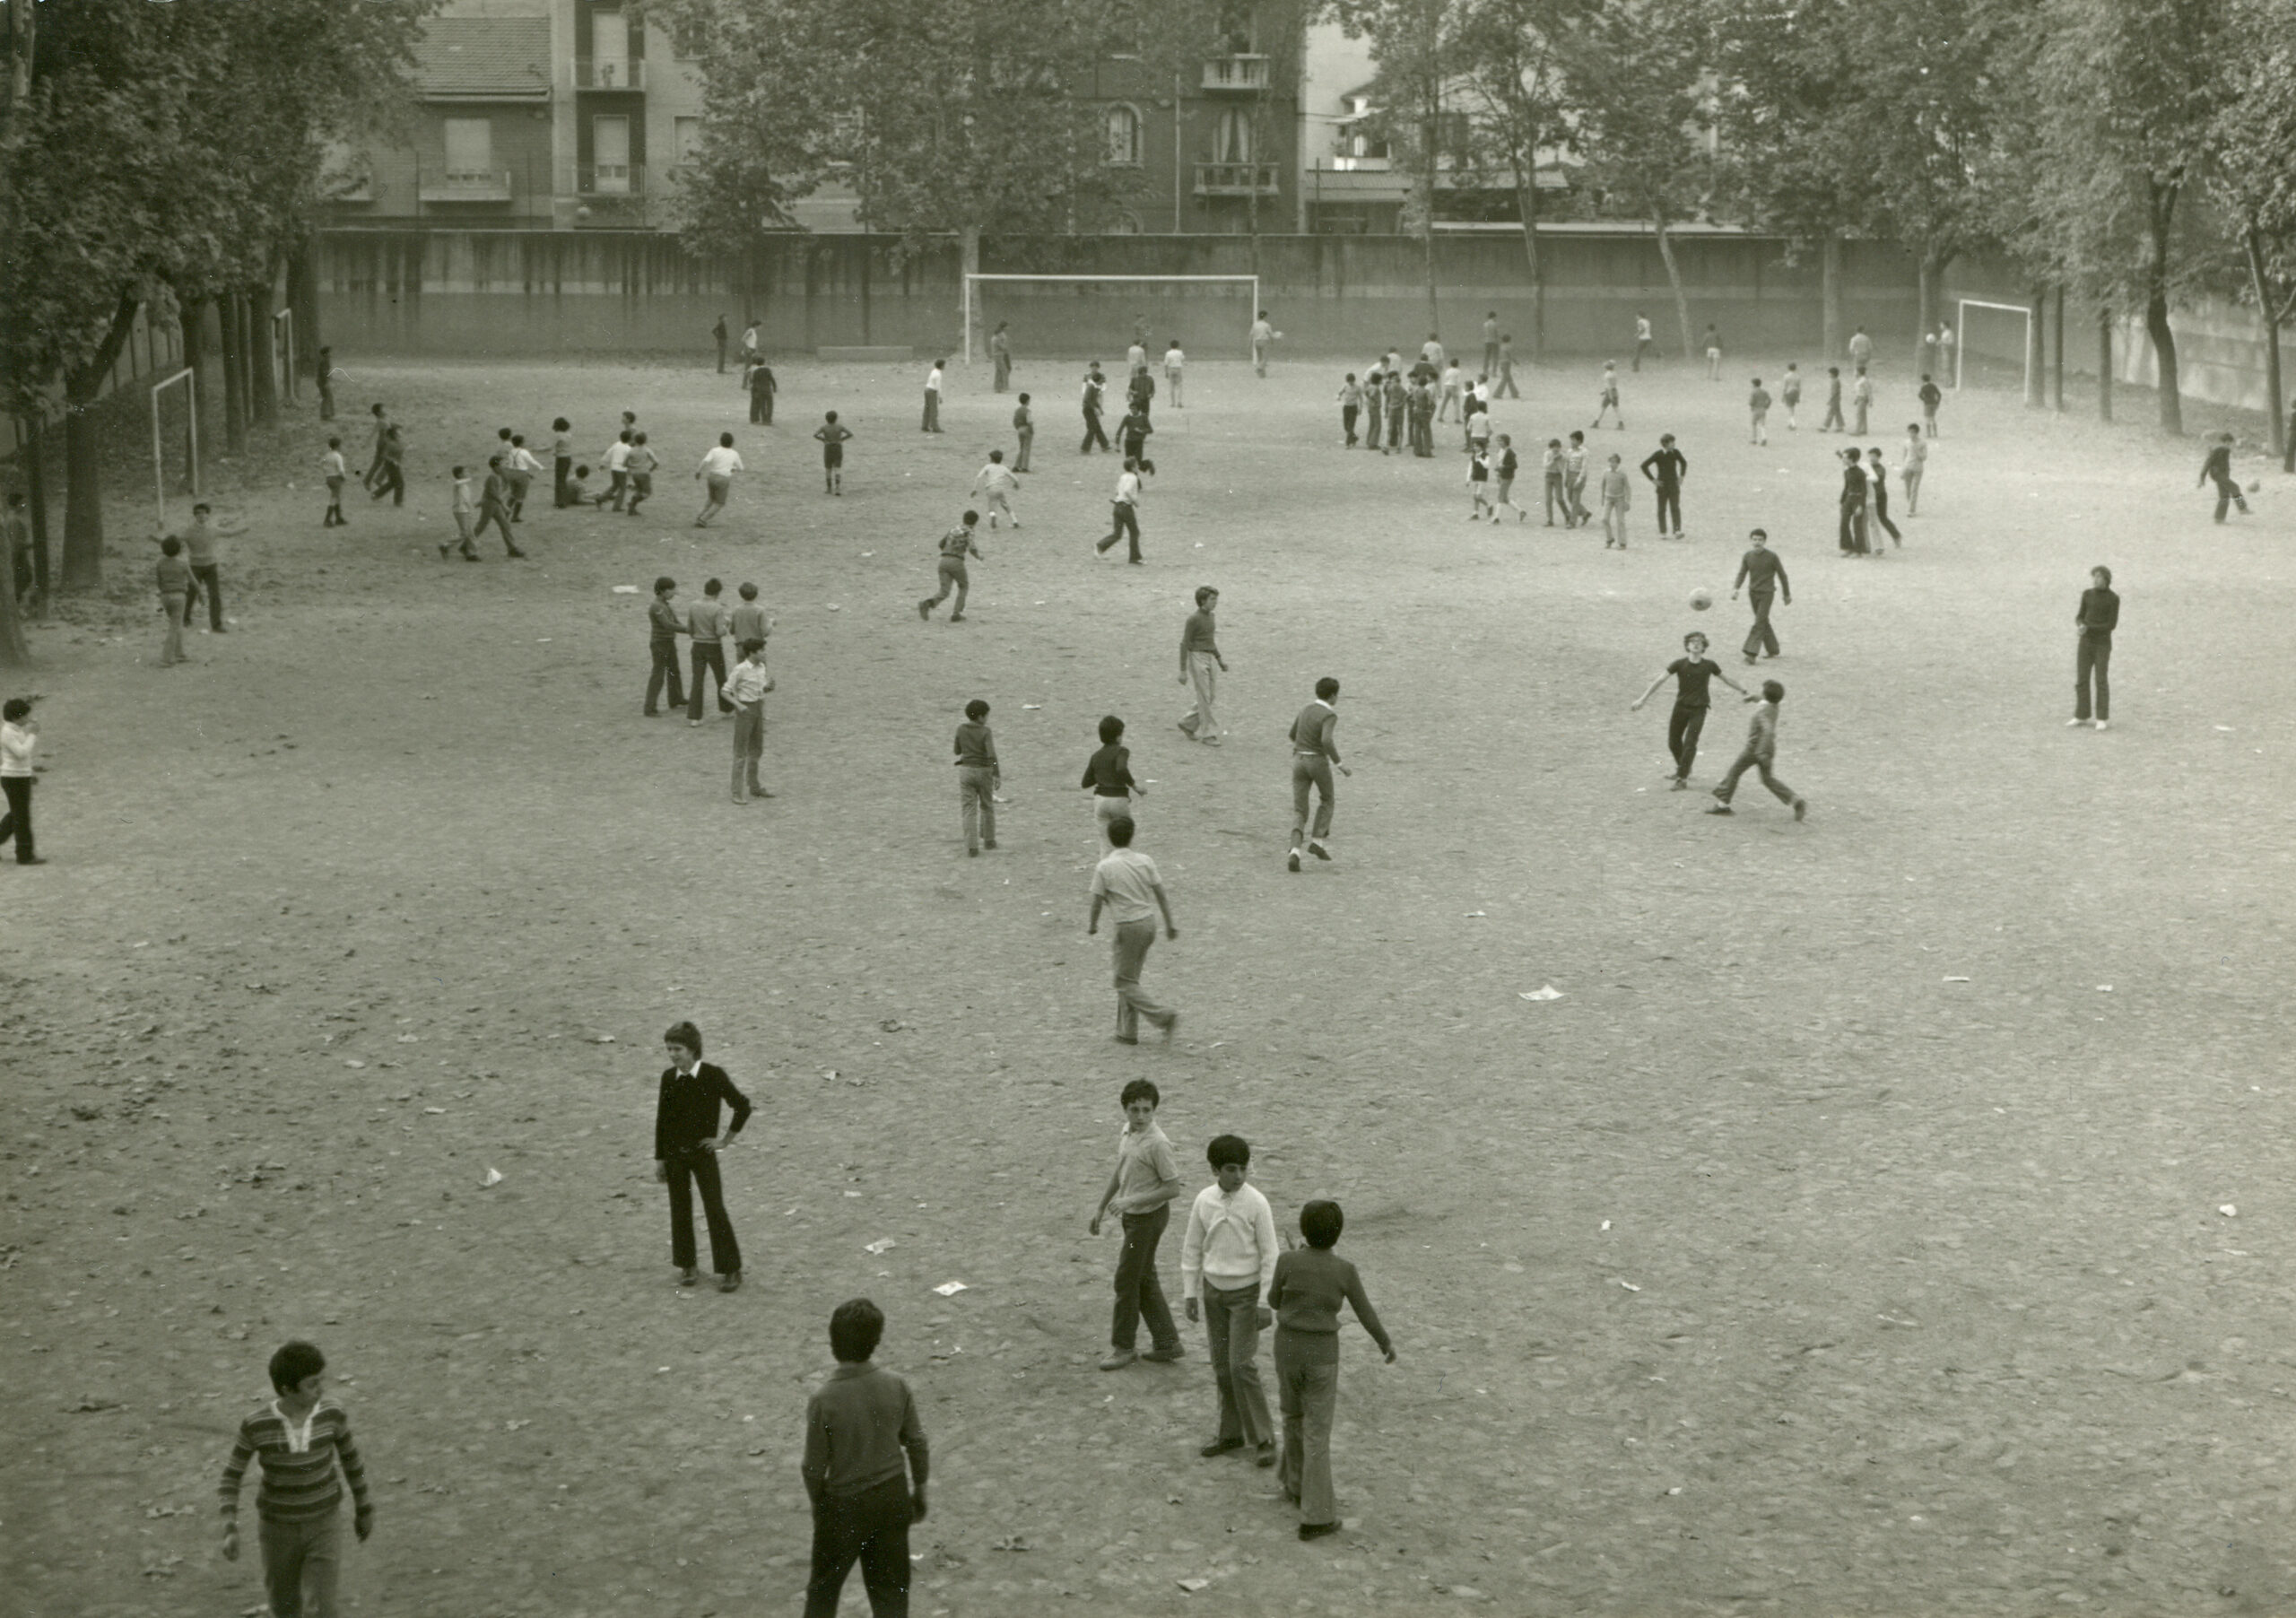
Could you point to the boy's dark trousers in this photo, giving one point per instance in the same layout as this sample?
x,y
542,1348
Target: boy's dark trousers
x,y
392,482
18,821
1670,498
2228,493
561,489
1347,414
870,1527
1832,423
1750,760
762,407
2093,657
1761,637
709,654
1682,728
302,1563
1232,1333
1882,512
1370,424
687,1172
1138,1292
1093,433
665,670
210,585
1126,522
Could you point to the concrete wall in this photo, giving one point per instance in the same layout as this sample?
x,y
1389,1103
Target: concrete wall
x,y
1335,298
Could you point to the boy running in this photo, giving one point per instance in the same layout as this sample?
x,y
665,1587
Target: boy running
x,y
1125,513
642,463
1693,674
716,472
956,544
999,485
832,437
1761,752
1314,756
1609,401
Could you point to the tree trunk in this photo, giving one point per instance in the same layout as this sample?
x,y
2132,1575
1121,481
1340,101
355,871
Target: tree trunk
x,y
35,464
1829,295
235,398
2104,363
2057,346
84,500
1674,281
13,652
1927,299
303,298
1526,204
263,370
193,316
2164,352
2036,358
2268,306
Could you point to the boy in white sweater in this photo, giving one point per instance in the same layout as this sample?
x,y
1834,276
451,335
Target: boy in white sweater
x,y
1227,1262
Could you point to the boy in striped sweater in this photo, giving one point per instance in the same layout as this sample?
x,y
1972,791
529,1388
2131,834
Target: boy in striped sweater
x,y
298,1438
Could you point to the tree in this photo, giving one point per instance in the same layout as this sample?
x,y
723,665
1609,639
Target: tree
x,y
771,108
2253,178
1413,42
2129,92
1637,74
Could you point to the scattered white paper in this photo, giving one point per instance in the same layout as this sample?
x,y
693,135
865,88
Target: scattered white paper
x,y
1193,1585
1545,991
882,1244
2228,1210
354,1061
625,589
493,1178
950,1289
1957,980
2104,988
1629,1287
1473,914
438,1110
1030,707
1606,1224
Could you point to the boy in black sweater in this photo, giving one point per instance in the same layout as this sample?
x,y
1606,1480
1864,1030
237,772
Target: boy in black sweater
x,y
686,1144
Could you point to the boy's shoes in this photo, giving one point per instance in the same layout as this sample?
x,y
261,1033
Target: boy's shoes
x,y
1680,784
730,1282
2071,723
1292,863
1801,808
1265,1455
991,843
518,553
1318,851
2104,725
956,618
1123,1040
1317,1530
1165,1356
696,724
1220,1447
37,859
972,854
1172,1027
925,611
1721,809
1118,1358
689,1277
442,552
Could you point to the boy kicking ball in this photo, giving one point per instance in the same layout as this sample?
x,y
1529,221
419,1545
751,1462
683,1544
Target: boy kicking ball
x,y
1761,752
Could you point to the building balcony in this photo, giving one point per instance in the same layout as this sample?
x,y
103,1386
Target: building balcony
x,y
1356,165
1236,179
609,179
464,185
591,74
1236,72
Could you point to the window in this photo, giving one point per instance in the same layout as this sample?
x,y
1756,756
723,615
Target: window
x,y
470,148
610,48
1124,223
610,155
686,132
1123,128
1232,138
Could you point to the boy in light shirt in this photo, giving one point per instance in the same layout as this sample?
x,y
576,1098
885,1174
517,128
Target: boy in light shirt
x,y
1174,362
1147,1178
1913,459
1227,1264
465,516
1618,494
932,422
1454,393
717,469
331,468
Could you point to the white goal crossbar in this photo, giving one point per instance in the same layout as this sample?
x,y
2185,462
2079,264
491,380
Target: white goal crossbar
x,y
1962,336
970,323
190,380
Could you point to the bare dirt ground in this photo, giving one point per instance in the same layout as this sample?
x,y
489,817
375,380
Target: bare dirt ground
x,y
1857,1233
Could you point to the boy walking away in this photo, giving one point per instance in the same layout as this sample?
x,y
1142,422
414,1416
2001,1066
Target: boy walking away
x,y
663,623
1930,399
1691,674
2217,468
1227,1265
1760,572
1617,492
1398,396
1761,752
705,622
956,544
1264,336
617,465
715,471
932,422
382,424
1608,403
1861,349
977,778
1024,429
1643,344
1147,1178
686,1144
19,739
561,459
762,386
1853,504
1133,433
1201,666
832,437
1127,883
174,576
494,505
1550,477
1479,485
1449,404
1913,459
996,483
748,620
1351,405
1000,354
1861,394
2094,620
1757,412
1126,510
299,1440
864,1469
1175,363
1374,391
465,509
748,689
1877,482
1108,776
1789,394
336,474
1667,468
520,469
1315,754
1490,342
1510,463
642,463
1095,385
1506,388
1713,354
1574,481
1310,1284
1832,423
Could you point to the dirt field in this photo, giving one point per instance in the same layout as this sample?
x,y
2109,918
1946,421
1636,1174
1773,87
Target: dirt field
x,y
1857,1233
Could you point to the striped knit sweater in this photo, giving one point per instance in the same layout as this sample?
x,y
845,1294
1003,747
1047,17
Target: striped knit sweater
x,y
298,1482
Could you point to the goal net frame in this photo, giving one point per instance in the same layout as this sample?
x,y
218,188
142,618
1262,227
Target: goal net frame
x,y
1962,306
190,380
970,322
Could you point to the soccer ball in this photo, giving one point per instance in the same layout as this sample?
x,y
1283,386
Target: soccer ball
x,y
1700,600
2256,486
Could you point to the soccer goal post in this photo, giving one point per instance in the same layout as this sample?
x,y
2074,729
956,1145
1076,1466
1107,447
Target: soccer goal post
x,y
1962,343
188,437
1095,287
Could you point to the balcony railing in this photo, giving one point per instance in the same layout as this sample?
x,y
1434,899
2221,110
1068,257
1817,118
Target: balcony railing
x,y
1236,72
464,186
1236,179
613,74
610,179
